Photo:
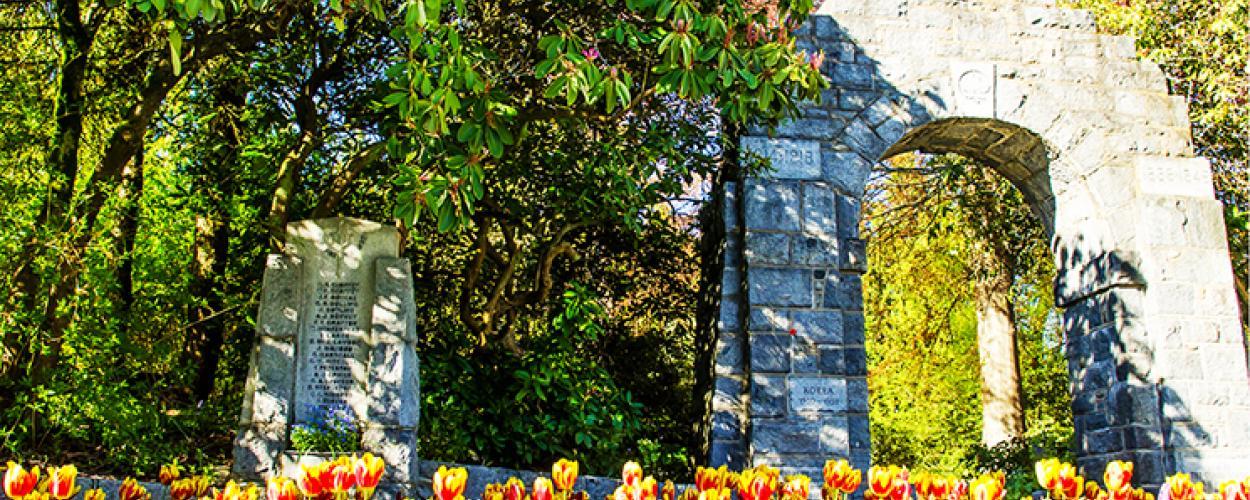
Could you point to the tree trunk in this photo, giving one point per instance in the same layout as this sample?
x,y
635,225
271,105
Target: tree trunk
x,y
127,227
289,169
123,143
1002,413
207,331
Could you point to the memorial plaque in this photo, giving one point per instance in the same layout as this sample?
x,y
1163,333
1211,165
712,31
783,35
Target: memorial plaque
x,y
975,86
809,394
1175,176
330,347
335,335
791,158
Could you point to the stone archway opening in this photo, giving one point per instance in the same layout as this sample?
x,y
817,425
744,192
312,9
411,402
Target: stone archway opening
x,y
957,216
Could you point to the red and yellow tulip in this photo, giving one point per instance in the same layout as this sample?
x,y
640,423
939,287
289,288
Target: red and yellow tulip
x,y
542,489
668,491
493,491
1181,487
1118,479
281,488
233,491
313,480
716,494
707,478
1235,490
368,473
132,490
449,484
61,482
888,482
796,487
987,487
631,474
758,483
514,490
93,494
170,473
564,474
840,479
20,482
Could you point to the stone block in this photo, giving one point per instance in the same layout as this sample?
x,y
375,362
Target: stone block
x,y
854,255
728,453
818,326
863,140
272,388
1133,405
853,329
729,353
847,170
857,395
394,385
769,319
844,291
770,353
398,448
848,216
729,393
780,287
857,430
1182,435
783,437
772,206
767,248
856,362
820,212
805,357
280,297
729,319
729,212
256,450
768,395
1102,441
1138,437
811,251
832,362
726,426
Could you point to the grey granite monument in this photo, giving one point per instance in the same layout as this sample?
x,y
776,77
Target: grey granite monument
x,y
335,331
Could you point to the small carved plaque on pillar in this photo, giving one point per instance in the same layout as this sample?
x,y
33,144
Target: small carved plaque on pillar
x,y
790,158
819,394
975,89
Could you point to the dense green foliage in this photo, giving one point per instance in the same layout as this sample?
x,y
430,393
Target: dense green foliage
x,y
532,153
929,219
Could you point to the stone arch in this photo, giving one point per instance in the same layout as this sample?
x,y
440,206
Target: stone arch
x,y
1102,153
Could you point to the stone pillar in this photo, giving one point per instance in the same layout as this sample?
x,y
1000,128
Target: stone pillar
x,y
798,375
335,330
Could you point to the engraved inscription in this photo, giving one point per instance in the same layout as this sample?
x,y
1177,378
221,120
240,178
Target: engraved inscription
x,y
817,394
1175,176
791,159
331,346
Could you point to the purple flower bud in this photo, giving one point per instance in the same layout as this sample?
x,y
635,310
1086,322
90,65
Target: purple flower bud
x,y
591,53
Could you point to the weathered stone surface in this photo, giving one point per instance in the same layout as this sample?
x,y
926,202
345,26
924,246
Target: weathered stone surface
x,y
770,353
768,395
781,287
772,206
818,326
767,248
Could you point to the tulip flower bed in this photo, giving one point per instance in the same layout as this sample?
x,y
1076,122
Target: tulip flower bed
x,y
356,478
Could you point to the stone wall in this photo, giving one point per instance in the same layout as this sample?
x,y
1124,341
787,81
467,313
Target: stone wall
x,y
1104,158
